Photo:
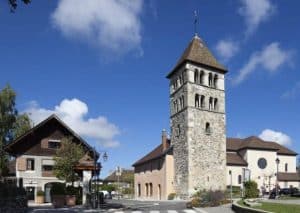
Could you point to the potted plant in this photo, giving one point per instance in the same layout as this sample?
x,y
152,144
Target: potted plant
x,y
40,197
71,196
58,195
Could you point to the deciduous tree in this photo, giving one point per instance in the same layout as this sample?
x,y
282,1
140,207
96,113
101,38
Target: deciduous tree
x,y
66,158
12,125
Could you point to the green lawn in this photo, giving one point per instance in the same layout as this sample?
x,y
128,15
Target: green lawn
x,y
276,207
279,208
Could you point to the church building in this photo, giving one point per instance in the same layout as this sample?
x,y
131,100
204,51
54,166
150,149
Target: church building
x,y
197,155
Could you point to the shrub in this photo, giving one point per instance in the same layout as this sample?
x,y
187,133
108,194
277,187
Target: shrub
x,y
77,191
40,193
58,189
171,196
209,198
196,202
251,190
12,198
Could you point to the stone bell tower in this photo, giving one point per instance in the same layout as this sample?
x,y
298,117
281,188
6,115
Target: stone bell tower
x,y
198,131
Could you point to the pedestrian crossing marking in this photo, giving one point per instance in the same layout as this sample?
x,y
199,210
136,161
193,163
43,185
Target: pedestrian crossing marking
x,y
189,211
154,212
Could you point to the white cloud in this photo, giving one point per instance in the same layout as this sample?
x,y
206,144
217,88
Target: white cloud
x,y
255,12
227,49
293,92
112,25
270,58
73,113
279,137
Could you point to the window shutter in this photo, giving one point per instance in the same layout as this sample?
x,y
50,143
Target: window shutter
x,y
21,164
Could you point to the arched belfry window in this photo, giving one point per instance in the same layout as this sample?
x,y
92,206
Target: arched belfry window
x,y
215,104
215,81
181,102
201,77
196,76
202,101
210,79
210,106
207,128
197,104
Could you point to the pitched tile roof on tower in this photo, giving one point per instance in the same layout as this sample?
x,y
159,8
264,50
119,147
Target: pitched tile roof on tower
x,y
198,53
235,144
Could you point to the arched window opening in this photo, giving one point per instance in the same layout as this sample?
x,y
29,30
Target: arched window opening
x,y
210,106
180,80
202,101
151,189
215,81
197,101
182,102
175,84
196,76
210,80
202,77
207,129
286,167
240,179
216,104
147,190
139,190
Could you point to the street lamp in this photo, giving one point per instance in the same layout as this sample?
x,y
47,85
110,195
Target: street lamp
x,y
277,163
230,173
97,168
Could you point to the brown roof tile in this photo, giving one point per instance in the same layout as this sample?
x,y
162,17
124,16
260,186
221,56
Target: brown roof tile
x,y
253,142
287,176
235,159
155,153
123,178
198,52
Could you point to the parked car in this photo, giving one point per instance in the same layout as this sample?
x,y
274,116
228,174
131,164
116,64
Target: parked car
x,y
288,191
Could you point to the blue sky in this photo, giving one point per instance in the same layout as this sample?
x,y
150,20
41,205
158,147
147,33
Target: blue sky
x,y
101,66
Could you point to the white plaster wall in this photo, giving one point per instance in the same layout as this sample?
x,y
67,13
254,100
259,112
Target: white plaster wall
x,y
263,177
290,160
236,171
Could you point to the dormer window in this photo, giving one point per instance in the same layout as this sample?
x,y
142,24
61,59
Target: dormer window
x,y
54,144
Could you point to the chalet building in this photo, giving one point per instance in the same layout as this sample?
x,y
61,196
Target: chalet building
x,y
33,157
198,155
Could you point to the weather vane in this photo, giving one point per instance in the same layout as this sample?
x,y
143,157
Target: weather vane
x,y
195,22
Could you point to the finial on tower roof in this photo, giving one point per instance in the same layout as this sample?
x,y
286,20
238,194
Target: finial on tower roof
x,y
196,23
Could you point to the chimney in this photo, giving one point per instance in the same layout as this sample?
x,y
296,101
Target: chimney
x,y
164,140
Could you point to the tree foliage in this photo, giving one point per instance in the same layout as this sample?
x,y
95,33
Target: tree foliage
x,y
8,115
14,3
251,190
12,125
66,158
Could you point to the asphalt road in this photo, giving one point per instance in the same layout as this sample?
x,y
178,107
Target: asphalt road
x,y
134,206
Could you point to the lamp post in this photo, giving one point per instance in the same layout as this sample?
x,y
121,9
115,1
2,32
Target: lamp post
x,y
97,168
277,163
230,173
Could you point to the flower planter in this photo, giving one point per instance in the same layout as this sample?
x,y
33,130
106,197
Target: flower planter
x,y
70,200
58,201
40,199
